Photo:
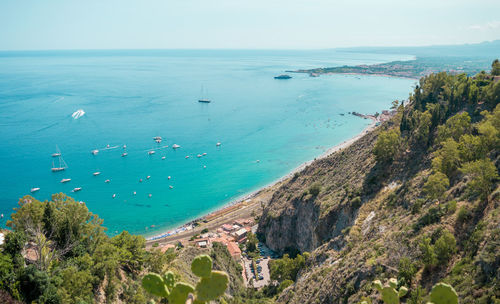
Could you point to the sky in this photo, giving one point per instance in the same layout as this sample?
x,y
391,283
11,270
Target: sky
x,y
243,24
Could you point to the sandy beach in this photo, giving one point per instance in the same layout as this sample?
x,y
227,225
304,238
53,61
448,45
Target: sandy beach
x,y
248,205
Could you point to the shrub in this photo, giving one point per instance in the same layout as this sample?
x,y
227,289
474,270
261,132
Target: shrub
x,y
315,189
387,145
427,254
436,185
445,246
483,174
406,271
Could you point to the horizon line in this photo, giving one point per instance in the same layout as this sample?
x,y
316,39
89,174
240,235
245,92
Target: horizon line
x,y
247,49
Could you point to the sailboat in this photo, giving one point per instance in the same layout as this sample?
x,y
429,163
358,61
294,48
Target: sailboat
x,y
62,164
57,153
203,99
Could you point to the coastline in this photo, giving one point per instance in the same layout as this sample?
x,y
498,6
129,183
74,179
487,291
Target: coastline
x,y
229,211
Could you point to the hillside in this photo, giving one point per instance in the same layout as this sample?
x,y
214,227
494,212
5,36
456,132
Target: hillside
x,y
417,199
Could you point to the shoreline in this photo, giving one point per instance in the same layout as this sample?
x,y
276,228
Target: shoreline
x,y
223,212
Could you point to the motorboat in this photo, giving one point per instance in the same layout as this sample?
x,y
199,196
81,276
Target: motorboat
x,y
77,189
95,152
33,190
96,173
65,180
175,146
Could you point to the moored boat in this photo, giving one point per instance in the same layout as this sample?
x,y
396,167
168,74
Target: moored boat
x,y
282,76
77,189
175,146
95,151
96,173
65,180
33,190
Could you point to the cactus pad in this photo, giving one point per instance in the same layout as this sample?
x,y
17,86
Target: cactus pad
x,y
443,293
402,291
212,287
390,295
153,283
179,293
393,283
377,284
202,266
169,279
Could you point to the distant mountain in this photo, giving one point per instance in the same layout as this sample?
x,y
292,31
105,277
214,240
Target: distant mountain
x,y
490,49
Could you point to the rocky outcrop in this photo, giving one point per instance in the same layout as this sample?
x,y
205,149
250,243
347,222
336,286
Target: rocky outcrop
x,y
296,220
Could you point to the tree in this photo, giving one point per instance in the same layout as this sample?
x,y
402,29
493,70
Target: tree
x,y
455,127
445,247
482,174
447,159
428,255
436,185
471,147
495,67
387,145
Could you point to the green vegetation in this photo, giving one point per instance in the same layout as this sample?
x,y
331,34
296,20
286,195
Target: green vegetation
x,y
57,252
211,286
387,145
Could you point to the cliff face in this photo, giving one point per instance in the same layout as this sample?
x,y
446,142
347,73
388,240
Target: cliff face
x,y
296,220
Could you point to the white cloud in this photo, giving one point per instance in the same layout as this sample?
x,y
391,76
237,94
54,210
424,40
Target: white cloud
x,y
492,25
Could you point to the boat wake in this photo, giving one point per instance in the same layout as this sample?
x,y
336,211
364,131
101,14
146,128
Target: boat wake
x,y
79,113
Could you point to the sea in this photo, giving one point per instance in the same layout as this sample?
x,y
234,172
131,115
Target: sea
x,y
266,127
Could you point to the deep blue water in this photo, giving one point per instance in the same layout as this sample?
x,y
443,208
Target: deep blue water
x,y
131,96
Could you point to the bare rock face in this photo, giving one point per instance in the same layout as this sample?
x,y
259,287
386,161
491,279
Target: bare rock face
x,y
298,219
299,227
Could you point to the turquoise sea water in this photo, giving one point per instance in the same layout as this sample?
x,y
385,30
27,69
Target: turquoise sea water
x,y
131,96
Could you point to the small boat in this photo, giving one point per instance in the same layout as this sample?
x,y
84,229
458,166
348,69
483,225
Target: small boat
x,y
108,146
124,154
77,189
148,177
175,146
62,164
114,195
204,167
96,173
187,156
163,157
1,215
135,193
150,195
57,153
218,144
169,177
78,113
203,99
171,187
107,181
124,146
258,161
94,151
204,154
33,190
151,152
199,155
282,76
140,180
158,139
65,180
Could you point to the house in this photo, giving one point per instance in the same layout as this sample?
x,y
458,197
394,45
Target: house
x,y
234,250
227,228
203,243
240,235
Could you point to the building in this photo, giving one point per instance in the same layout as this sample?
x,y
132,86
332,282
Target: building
x,y
203,243
234,250
240,235
227,228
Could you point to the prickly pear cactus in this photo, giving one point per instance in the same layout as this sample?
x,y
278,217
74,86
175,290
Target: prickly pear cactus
x,y
155,285
169,279
443,293
388,292
211,288
179,293
202,266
